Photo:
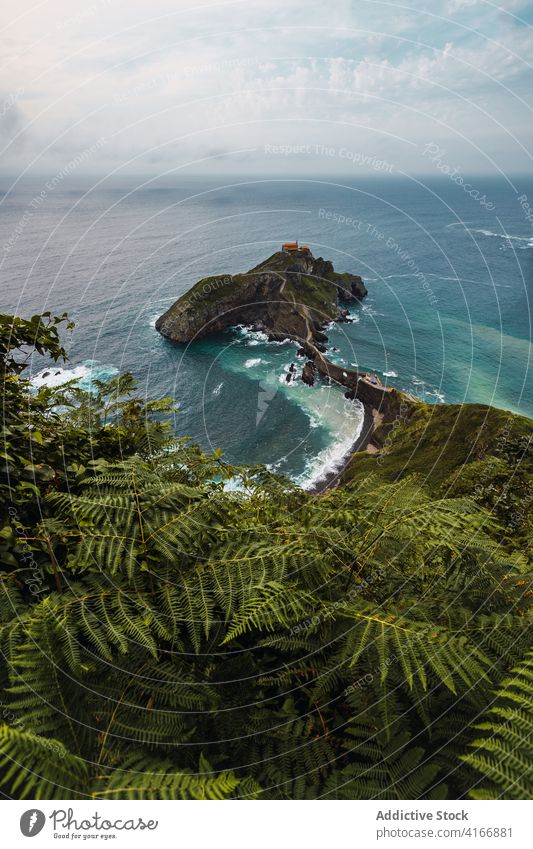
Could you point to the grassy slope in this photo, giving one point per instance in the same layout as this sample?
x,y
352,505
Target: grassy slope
x,y
318,295
213,288
438,440
459,450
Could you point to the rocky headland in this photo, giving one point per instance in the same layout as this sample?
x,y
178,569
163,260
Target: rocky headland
x,y
288,296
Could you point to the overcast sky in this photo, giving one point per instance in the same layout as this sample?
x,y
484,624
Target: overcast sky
x,y
154,86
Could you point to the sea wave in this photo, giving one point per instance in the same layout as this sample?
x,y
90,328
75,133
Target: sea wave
x,y
425,390
438,395
447,278
251,337
368,310
83,375
344,433
506,236
509,237
258,337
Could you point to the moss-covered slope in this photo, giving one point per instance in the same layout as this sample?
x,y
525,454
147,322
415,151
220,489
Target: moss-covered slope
x,y
469,449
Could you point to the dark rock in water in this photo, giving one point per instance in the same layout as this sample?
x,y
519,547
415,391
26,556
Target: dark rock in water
x,y
308,373
352,288
45,374
344,317
301,352
321,348
291,373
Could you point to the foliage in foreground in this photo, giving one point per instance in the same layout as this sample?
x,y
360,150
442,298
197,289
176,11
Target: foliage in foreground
x,y
167,636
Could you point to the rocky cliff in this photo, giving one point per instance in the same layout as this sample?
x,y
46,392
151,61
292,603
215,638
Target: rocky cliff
x,y
287,295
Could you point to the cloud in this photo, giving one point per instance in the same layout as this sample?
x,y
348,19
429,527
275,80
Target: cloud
x,y
12,119
170,82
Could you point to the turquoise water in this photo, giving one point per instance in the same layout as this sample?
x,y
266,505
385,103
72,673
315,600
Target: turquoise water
x,y
447,316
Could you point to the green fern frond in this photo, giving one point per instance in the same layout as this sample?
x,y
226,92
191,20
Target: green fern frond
x,y
38,767
504,755
382,768
268,607
142,778
418,649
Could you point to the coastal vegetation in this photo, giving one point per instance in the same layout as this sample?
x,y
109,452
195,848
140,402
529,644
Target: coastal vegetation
x,y
173,626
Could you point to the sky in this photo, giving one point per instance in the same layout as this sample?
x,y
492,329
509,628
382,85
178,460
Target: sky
x,y
249,86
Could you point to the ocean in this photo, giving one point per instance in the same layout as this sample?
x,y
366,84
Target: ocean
x,y
447,316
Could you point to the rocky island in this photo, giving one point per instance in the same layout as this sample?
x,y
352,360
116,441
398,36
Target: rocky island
x,y
290,295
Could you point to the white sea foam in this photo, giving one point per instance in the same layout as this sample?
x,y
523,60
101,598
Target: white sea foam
x,y
234,484
528,240
390,373
345,421
84,375
449,279
336,357
273,467
437,394
253,361
507,236
425,389
286,341
368,310
252,337
283,377
216,390
492,283
258,337
55,376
